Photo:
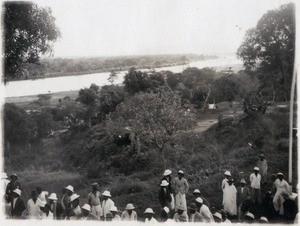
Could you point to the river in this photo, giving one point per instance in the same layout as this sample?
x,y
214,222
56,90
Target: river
x,y
77,82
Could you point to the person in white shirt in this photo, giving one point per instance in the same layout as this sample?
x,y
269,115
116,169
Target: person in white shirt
x,y
75,209
227,175
229,201
204,211
255,180
282,187
42,194
149,216
263,167
129,214
94,200
181,188
114,211
33,206
46,211
107,203
4,183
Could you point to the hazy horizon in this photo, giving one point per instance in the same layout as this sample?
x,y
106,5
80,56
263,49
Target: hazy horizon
x,y
104,28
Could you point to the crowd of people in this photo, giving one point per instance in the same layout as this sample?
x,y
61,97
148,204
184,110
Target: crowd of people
x,y
237,204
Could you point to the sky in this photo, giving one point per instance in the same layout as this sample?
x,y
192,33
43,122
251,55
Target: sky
x,y
139,27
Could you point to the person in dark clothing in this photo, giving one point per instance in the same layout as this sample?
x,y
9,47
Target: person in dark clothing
x,y
167,177
164,194
11,186
17,204
56,207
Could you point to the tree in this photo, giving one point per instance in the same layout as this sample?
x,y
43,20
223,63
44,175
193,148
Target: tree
x,y
152,119
112,76
269,48
29,31
19,127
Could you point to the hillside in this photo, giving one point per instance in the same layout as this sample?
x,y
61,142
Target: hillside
x,y
203,156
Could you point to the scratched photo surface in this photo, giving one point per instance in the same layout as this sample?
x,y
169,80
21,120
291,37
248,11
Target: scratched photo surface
x,y
128,111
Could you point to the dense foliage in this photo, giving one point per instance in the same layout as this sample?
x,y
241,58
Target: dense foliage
x,y
29,31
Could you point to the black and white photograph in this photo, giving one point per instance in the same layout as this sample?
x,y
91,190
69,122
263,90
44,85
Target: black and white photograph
x,y
149,112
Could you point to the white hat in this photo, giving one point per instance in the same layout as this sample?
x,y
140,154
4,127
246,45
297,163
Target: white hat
x,y
52,196
264,219
70,188
4,176
106,193
250,215
86,207
113,209
164,183
278,174
218,215
167,172
196,191
166,209
199,200
243,181
256,168
129,206
73,197
180,171
227,173
42,204
18,191
149,210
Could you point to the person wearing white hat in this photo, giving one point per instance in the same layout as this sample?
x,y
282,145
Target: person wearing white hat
x,y
204,211
197,194
263,167
181,215
75,209
164,194
249,218
65,200
114,211
94,200
167,177
217,217
4,181
194,216
255,180
227,175
17,205
229,201
12,185
181,188
282,187
107,203
243,196
149,213
129,214
55,207
86,213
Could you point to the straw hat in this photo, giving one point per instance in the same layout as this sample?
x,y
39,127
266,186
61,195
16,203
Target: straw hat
x,y
243,181
73,197
113,209
17,191
164,183
52,196
106,193
166,209
95,184
14,175
256,168
227,173
262,155
264,219
180,172
218,215
70,188
149,210
250,215
196,191
199,200
167,172
86,207
279,174
129,206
